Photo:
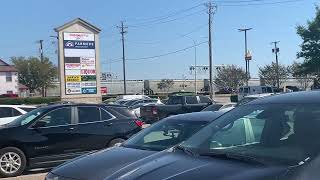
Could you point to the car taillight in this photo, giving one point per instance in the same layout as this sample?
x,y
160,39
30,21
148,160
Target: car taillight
x,y
154,110
139,123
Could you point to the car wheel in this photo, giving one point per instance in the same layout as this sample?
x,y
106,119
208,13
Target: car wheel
x,y
116,141
12,162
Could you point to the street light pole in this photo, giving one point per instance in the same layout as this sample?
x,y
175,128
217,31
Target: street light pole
x,y
246,52
276,51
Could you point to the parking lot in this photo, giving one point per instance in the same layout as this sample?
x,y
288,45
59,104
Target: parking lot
x,y
31,175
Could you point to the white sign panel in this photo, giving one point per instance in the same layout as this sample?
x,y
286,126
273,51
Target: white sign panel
x,y
79,36
73,72
73,88
79,53
89,84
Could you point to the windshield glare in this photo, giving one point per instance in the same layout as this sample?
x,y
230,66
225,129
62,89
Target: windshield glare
x,y
278,133
27,118
164,134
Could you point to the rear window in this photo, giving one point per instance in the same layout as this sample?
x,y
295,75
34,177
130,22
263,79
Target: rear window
x,y
27,109
122,111
204,99
191,100
175,100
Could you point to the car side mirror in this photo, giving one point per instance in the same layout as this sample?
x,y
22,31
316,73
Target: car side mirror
x,y
39,124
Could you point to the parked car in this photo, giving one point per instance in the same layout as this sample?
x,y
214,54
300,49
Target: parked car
x,y
50,135
136,108
176,104
213,107
9,113
9,96
270,138
159,136
133,102
251,90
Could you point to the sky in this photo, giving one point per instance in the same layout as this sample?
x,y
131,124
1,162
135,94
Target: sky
x,y
157,28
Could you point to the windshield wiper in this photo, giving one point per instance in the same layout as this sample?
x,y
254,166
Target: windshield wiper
x,y
186,150
234,156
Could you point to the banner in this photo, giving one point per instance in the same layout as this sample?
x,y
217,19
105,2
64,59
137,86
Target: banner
x,y
88,78
89,84
78,36
78,44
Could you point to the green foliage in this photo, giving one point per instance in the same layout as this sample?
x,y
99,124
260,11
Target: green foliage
x,y
33,101
310,47
165,84
230,77
33,73
268,74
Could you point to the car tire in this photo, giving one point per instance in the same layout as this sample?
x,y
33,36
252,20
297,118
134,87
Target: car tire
x,y
12,162
115,141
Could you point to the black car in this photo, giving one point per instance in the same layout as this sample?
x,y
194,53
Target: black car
x,y
159,136
269,138
51,135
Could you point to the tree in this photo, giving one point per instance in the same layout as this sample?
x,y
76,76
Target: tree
x,y
230,77
297,71
310,47
165,84
33,73
268,74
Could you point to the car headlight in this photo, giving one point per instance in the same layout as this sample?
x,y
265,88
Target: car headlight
x,y
52,176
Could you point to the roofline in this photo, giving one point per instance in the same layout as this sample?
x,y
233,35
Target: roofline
x,y
5,62
77,20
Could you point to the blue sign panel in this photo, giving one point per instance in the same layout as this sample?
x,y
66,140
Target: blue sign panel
x,y
89,90
69,44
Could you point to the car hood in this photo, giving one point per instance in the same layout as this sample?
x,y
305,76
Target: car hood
x,y
100,164
168,165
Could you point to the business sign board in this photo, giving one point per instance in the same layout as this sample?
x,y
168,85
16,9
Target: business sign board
x,y
89,90
80,63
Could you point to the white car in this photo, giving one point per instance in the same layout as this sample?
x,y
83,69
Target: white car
x,y
8,113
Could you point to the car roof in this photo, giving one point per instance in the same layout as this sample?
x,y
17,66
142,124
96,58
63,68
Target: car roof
x,y
302,97
197,116
18,106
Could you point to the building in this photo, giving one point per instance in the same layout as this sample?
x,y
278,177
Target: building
x,y
8,79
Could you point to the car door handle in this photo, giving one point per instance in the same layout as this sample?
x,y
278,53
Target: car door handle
x,y
70,129
109,124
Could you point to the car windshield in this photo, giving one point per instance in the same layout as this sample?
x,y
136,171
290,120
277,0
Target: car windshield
x,y
164,134
27,118
275,133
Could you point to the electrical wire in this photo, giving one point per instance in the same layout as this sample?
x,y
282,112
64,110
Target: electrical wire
x,y
167,21
157,56
262,3
163,17
178,37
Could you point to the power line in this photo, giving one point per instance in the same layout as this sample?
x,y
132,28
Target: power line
x,y
157,56
178,37
162,22
159,18
262,3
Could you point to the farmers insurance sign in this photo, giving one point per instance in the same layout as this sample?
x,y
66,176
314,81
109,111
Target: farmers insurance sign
x,y
79,63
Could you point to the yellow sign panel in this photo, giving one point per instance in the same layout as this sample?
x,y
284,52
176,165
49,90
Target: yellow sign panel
x,y
73,78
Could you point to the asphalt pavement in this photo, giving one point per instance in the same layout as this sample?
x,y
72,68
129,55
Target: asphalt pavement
x,y
38,174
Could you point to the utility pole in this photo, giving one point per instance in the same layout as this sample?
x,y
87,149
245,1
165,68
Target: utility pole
x,y
41,50
41,59
122,32
211,10
276,51
247,58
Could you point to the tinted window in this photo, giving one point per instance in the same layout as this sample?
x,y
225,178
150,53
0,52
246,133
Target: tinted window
x,y
204,99
27,109
191,100
165,134
88,114
105,115
123,111
175,100
57,117
269,90
5,112
15,112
